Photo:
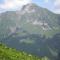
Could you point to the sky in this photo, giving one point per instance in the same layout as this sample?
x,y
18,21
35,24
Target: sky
x,y
9,5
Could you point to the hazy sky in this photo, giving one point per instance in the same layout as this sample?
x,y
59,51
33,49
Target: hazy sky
x,y
6,5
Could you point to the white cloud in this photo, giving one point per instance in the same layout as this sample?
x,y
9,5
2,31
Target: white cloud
x,y
13,4
57,2
17,4
56,11
57,6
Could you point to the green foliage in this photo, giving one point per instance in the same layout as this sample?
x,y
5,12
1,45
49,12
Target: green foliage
x,y
11,54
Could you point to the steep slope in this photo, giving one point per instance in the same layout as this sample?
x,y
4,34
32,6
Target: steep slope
x,y
32,18
40,20
32,29
11,54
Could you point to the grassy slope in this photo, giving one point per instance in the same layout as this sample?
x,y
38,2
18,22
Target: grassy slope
x,y
11,54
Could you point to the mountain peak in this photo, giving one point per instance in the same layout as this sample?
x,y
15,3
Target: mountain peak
x,y
29,5
29,8
33,8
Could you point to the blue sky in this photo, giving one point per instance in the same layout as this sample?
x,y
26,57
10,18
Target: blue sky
x,y
46,4
1,1
42,3
6,5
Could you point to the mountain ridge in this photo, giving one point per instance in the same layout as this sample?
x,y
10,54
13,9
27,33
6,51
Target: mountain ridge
x,y
31,29
33,16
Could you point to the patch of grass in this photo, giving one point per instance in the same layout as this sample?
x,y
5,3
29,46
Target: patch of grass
x,y
11,54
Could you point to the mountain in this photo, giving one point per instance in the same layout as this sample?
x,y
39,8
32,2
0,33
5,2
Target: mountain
x,y
33,29
31,18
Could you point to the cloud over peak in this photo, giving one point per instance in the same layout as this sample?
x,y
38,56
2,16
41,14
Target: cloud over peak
x,y
9,5
13,4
